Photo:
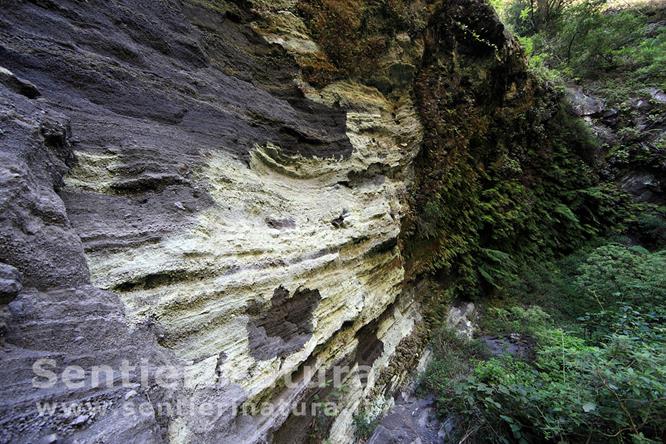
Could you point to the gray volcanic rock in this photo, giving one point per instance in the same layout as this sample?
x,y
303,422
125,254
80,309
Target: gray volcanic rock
x,y
52,313
17,84
643,185
35,235
285,326
583,104
150,93
10,283
163,169
410,422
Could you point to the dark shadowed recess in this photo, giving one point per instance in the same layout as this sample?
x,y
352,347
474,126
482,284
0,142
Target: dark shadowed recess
x,y
312,423
369,347
283,326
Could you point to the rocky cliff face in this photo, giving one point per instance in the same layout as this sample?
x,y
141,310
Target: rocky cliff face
x,y
211,187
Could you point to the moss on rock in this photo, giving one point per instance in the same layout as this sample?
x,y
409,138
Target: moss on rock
x,y
504,169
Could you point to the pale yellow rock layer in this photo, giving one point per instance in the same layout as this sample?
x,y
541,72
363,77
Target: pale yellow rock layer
x,y
235,258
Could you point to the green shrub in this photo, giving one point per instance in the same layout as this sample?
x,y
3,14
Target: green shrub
x,y
571,393
650,226
595,288
527,202
364,424
453,357
514,319
597,371
616,274
629,289
618,49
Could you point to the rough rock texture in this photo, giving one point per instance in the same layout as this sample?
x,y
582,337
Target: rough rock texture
x,y
583,104
173,193
633,136
462,320
209,186
410,421
284,326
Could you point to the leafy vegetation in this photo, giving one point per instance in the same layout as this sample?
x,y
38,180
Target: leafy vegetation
x,y
571,393
618,51
597,372
588,311
506,175
453,358
525,188
612,51
364,424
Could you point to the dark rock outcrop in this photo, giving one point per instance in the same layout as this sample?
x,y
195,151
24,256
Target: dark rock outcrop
x,y
410,421
283,326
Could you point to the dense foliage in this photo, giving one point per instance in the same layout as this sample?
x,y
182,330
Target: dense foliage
x,y
502,182
597,367
581,318
506,173
618,51
525,202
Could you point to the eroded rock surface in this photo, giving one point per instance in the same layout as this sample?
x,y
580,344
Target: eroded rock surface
x,y
205,186
409,422
169,187
284,326
632,136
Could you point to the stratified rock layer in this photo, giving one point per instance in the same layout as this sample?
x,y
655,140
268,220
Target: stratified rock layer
x,y
175,194
199,186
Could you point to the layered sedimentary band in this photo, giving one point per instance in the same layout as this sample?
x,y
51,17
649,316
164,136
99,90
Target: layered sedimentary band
x,y
235,222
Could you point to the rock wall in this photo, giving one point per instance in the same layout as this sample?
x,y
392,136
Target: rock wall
x,y
174,193
210,187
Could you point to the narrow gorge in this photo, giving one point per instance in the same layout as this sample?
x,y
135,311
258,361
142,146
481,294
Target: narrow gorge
x,y
244,196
